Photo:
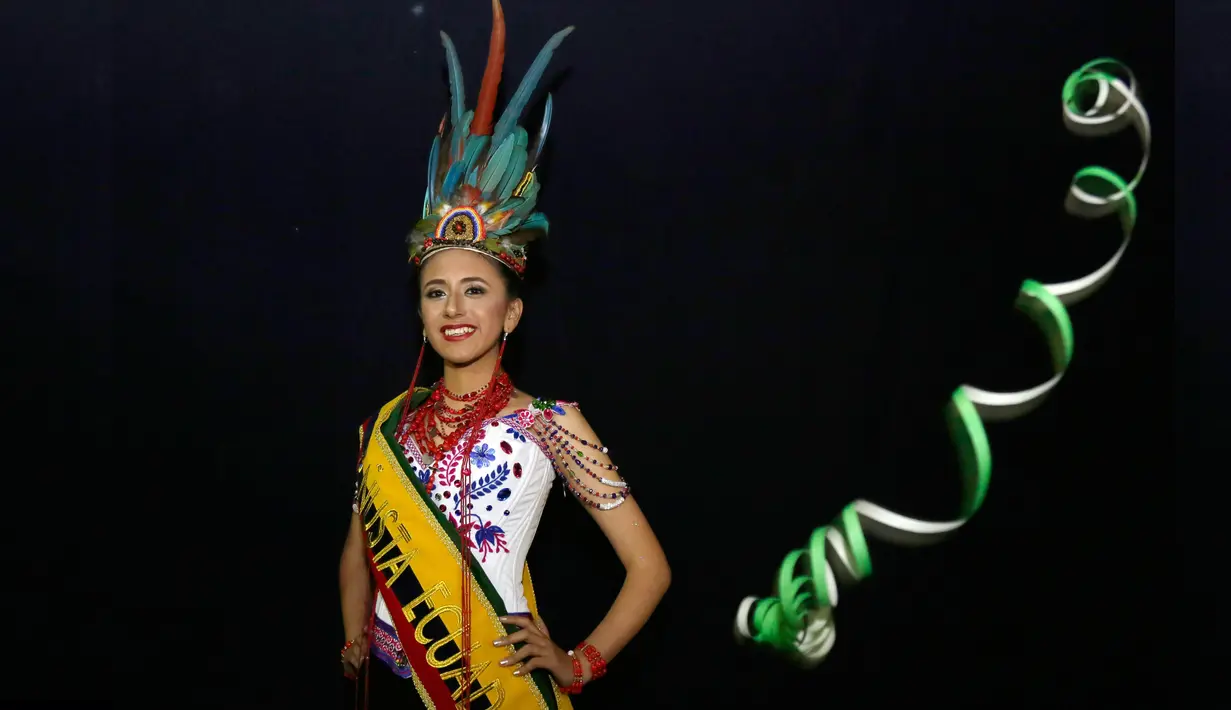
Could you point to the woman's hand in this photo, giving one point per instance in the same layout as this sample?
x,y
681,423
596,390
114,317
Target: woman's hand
x,y
539,652
354,657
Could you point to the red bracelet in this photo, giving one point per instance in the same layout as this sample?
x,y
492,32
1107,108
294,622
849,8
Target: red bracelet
x,y
598,667
575,688
348,644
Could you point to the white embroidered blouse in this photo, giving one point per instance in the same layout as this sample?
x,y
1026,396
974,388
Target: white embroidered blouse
x,y
512,467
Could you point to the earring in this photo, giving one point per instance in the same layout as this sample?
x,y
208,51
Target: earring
x,y
425,337
506,336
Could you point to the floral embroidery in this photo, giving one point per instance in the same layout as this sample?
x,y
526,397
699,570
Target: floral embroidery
x,y
491,539
548,407
517,435
464,534
482,455
525,418
490,482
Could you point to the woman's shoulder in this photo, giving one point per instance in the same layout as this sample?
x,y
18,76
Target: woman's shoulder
x,y
524,402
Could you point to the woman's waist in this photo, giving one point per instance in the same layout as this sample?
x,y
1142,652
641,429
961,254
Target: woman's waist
x,y
511,601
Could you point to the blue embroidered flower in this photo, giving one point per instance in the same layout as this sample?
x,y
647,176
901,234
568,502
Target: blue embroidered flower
x,y
515,434
423,474
482,456
488,533
490,538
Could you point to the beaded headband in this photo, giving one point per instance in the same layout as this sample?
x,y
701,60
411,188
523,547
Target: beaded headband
x,y
481,184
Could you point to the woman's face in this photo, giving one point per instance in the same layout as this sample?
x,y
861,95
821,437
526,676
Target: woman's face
x,y
465,305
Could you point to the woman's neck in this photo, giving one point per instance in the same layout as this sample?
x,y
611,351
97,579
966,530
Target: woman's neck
x,y
463,379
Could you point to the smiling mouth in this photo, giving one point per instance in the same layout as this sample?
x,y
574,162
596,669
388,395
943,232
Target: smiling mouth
x,y
457,332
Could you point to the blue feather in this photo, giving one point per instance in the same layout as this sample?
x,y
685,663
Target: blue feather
x,y
493,172
456,89
452,178
457,135
517,104
433,165
538,144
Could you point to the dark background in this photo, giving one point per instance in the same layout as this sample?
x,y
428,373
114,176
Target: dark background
x,y
781,236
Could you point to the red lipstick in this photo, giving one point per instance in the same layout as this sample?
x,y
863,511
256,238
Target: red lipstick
x,y
458,332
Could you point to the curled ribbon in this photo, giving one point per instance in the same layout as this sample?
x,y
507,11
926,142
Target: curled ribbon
x,y
1097,101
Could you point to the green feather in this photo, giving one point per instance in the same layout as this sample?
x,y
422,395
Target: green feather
x,y
493,172
510,204
517,104
423,229
513,173
456,89
474,161
458,134
520,138
535,222
530,195
474,146
426,226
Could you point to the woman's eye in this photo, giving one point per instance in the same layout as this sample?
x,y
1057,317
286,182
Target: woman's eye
x,y
475,291
435,293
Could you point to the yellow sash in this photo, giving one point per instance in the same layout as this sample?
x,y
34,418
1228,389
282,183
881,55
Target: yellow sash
x,y
418,565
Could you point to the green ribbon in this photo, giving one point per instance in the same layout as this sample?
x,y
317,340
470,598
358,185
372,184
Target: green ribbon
x,y
1098,99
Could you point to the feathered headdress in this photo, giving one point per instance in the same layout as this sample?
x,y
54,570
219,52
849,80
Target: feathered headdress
x,y
481,186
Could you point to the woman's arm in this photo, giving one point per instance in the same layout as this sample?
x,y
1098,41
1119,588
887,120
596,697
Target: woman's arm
x,y
647,574
354,582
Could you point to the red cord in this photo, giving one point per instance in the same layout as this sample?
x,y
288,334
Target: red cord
x,y
410,393
472,439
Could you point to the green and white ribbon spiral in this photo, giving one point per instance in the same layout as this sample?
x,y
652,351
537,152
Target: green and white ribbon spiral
x,y
1099,99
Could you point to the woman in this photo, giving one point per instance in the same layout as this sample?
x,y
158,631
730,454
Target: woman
x,y
455,477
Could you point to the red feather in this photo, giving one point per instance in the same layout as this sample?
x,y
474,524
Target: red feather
x,y
469,195
481,125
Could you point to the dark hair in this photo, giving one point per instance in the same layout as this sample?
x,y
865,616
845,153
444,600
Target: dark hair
x,y
512,282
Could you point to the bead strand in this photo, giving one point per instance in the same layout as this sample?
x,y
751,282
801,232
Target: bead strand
x,y
598,666
563,446
601,449
622,493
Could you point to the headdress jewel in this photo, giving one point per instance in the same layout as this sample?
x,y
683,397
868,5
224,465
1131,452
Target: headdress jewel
x,y
481,184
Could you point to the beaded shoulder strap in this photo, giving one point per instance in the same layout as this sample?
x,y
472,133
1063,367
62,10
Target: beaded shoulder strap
x,y
585,467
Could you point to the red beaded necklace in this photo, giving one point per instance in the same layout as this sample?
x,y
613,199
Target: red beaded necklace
x,y
429,422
